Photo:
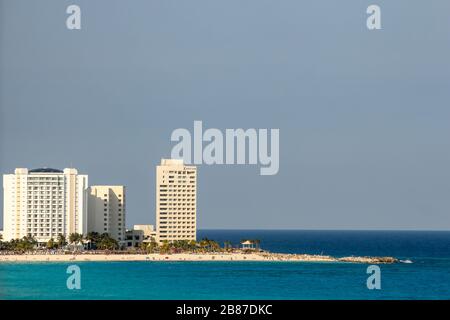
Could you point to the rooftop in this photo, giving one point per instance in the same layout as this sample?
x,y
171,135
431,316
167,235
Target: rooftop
x,y
171,162
45,170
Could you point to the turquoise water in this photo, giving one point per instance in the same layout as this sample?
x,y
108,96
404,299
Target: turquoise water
x,y
428,277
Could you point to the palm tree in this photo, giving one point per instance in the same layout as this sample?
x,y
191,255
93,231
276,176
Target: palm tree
x,y
61,240
107,243
104,235
149,247
257,243
227,245
26,243
80,239
12,244
143,246
165,247
73,237
152,247
76,238
204,243
5,245
192,245
181,245
93,238
51,244
213,246
1,242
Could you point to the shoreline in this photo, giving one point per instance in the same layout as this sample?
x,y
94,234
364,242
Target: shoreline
x,y
194,257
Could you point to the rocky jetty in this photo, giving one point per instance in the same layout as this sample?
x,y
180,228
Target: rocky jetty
x,y
371,260
325,258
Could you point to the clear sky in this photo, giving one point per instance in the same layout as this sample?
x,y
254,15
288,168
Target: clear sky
x,y
364,116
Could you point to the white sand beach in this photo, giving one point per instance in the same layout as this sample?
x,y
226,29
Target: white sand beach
x,y
190,257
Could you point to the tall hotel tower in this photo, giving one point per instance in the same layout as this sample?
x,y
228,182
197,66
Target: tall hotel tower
x,y
44,203
176,207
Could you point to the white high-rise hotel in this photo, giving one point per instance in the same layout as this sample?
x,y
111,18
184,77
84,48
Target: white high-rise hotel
x,y
176,204
44,203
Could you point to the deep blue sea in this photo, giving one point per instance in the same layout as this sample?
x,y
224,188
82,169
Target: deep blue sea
x,y
428,277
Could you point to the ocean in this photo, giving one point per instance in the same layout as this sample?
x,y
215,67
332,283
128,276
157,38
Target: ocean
x,y
427,277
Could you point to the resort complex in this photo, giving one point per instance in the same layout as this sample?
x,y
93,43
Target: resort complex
x,y
54,215
46,204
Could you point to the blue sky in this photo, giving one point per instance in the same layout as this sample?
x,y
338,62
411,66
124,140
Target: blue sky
x,y
363,115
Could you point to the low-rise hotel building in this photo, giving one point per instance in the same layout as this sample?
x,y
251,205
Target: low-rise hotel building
x,y
141,233
148,230
176,203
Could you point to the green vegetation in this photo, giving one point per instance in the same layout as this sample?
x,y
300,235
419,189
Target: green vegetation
x,y
203,246
107,243
25,244
61,241
51,244
76,238
96,241
76,241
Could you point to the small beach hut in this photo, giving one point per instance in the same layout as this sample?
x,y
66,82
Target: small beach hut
x,y
248,245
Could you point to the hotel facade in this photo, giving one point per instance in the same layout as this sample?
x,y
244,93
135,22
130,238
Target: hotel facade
x,y
106,207
176,201
44,203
